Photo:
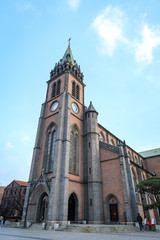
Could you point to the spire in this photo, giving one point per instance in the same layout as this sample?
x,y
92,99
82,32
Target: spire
x,y
67,63
91,108
68,57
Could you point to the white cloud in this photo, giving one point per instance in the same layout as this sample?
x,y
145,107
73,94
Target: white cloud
x,y
150,40
74,4
26,139
9,145
109,26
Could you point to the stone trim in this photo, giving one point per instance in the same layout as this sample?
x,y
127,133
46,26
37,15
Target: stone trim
x,y
145,170
71,180
64,71
88,133
81,119
53,98
106,160
51,115
109,147
94,182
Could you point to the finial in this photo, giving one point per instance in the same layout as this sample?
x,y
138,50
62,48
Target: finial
x,y
69,42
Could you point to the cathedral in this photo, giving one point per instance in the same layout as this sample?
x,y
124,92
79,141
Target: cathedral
x,y
80,171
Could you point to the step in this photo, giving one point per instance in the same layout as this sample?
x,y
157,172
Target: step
x,y
88,228
36,226
11,224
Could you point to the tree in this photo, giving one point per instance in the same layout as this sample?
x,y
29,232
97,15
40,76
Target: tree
x,y
151,187
13,209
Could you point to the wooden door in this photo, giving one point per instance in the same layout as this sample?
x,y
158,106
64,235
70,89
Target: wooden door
x,y
114,212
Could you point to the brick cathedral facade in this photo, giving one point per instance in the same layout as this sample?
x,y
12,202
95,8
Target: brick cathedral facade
x,y
80,170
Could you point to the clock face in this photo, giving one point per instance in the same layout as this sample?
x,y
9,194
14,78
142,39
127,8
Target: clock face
x,y
75,107
54,106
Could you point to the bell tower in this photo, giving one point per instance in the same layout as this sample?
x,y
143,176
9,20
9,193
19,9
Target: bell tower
x,y
93,189
57,159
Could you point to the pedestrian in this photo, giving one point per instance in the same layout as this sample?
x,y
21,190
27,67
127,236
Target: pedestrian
x,y
149,224
139,220
1,220
4,219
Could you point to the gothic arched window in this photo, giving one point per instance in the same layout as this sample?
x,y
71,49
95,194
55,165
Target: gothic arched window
x,y
50,149
58,87
135,185
135,159
73,88
129,154
77,92
74,151
101,137
112,142
53,90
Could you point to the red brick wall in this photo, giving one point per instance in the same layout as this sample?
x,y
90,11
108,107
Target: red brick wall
x,y
153,164
77,188
112,179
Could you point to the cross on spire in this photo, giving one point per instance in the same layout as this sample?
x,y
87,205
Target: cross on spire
x,y
69,42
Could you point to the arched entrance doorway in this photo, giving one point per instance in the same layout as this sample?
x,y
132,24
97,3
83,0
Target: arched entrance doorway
x,y
113,208
73,208
43,208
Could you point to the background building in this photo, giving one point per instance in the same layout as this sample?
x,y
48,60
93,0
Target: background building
x,y
80,170
13,200
1,193
152,160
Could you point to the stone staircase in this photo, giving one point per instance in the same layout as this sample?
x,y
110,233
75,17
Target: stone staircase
x,y
36,226
88,228
84,228
11,224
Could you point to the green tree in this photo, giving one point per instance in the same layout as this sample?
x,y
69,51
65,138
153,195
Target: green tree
x,y
151,187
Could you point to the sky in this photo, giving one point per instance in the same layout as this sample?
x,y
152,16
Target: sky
x,y
117,45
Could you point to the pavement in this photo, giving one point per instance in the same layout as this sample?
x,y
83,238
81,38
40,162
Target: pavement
x,y
28,234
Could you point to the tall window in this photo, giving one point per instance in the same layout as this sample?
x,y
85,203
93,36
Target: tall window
x,y
135,183
53,90
58,87
77,92
136,160
112,142
101,137
129,154
50,149
73,88
74,152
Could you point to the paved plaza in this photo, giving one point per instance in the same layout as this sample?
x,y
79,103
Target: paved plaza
x,y
27,234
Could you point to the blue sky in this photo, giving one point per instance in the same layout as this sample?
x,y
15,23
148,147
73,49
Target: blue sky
x,y
116,43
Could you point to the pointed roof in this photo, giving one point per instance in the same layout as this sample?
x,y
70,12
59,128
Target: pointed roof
x,y
22,183
91,108
68,57
67,63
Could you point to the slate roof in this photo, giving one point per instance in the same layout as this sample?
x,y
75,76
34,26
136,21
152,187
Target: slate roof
x,y
150,153
68,57
91,108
